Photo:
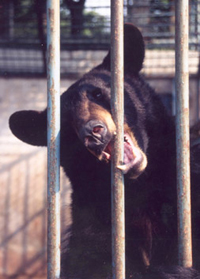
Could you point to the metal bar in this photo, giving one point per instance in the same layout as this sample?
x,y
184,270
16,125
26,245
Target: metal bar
x,y
182,135
117,106
198,93
198,49
53,138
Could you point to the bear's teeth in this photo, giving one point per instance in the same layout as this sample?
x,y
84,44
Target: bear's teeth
x,y
105,155
123,168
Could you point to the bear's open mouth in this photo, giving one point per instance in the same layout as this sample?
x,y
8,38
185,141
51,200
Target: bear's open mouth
x,y
133,157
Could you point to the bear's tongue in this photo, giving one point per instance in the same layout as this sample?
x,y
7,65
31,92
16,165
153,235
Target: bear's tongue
x,y
131,154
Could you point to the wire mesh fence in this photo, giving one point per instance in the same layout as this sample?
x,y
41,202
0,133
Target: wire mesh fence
x,y
85,28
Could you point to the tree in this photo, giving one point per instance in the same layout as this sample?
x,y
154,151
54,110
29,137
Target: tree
x,y
40,9
76,8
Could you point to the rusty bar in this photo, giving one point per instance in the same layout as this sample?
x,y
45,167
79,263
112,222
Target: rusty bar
x,y
53,138
182,135
117,106
198,73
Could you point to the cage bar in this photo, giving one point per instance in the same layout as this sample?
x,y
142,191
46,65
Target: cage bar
x,y
53,138
117,107
198,73
182,136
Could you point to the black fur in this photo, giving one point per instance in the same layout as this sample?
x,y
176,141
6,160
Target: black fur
x,y
151,215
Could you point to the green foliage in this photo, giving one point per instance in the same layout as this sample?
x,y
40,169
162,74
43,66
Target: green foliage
x,y
25,21
161,15
94,24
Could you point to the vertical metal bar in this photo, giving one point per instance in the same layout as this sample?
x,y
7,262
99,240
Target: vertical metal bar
x,y
198,49
198,93
182,135
117,106
53,138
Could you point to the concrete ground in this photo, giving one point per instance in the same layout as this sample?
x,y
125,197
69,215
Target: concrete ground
x,y
23,186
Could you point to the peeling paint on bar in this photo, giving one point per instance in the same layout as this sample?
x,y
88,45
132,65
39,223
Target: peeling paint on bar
x,y
117,105
53,138
182,135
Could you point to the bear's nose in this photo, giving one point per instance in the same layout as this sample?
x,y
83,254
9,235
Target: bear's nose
x,y
95,129
94,135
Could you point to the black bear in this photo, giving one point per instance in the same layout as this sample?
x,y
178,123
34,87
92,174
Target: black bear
x,y
87,130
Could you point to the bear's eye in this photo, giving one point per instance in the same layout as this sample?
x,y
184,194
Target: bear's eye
x,y
97,94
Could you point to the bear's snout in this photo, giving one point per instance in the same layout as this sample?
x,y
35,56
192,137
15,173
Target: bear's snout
x,y
95,136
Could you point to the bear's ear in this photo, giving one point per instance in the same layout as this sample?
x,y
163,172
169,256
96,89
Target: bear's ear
x,y
133,50
30,126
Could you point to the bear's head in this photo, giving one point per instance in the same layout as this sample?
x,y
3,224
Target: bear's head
x,y
86,113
